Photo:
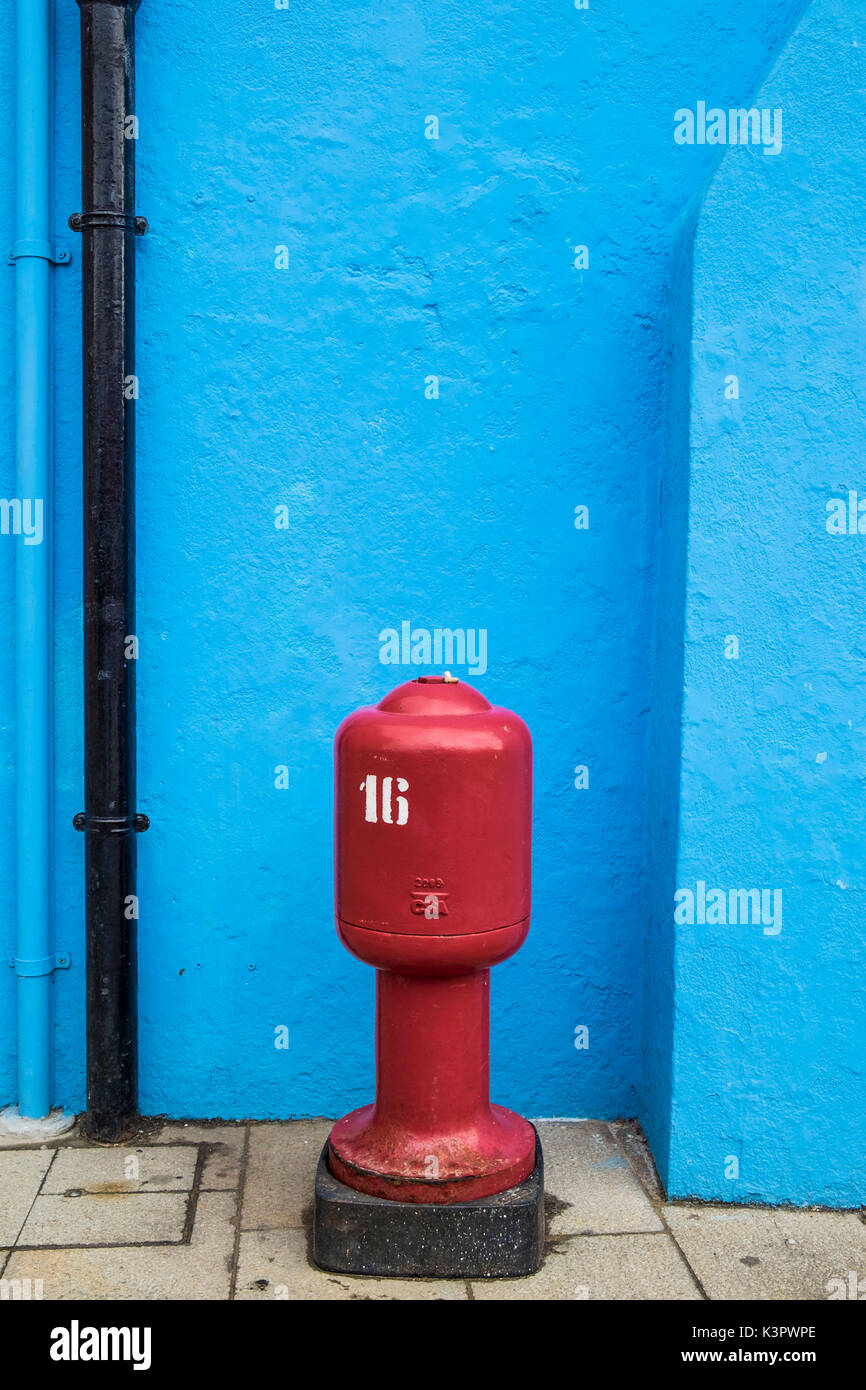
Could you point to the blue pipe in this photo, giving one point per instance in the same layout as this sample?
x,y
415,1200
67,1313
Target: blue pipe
x,y
33,633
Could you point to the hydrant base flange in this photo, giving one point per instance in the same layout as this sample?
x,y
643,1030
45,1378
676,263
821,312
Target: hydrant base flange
x,y
492,1237
499,1155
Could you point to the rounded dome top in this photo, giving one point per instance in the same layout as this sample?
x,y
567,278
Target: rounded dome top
x,y
435,695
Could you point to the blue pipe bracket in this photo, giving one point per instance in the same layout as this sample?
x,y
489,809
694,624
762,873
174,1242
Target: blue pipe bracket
x,y
37,250
45,965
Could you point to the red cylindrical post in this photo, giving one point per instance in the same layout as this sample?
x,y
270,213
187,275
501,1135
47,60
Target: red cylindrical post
x,y
432,1051
433,852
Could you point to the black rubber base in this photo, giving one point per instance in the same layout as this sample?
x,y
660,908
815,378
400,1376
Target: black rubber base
x,y
492,1238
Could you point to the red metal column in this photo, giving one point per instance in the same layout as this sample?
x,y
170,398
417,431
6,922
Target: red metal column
x,y
433,846
432,1052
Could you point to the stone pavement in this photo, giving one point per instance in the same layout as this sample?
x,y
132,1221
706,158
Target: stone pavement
x,y
219,1211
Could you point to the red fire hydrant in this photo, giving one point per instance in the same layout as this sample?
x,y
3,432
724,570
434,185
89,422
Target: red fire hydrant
x,y
433,853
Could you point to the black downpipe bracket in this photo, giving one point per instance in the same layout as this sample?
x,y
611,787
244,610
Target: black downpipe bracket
x,y
109,227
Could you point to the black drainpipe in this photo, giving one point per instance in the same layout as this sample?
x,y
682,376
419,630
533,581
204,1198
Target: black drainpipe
x,y
109,227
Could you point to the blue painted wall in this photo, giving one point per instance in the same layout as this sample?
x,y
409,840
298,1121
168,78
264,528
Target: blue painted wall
x,y
769,1045
304,387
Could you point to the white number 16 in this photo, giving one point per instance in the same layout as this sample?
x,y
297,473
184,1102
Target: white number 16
x,y
370,787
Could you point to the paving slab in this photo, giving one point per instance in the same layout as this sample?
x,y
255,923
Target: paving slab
x,y
122,1169
21,1174
200,1270
627,1267
281,1173
760,1253
109,1219
223,1151
589,1183
274,1265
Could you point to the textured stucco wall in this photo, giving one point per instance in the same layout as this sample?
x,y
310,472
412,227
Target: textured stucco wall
x,y
305,387
769,1042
